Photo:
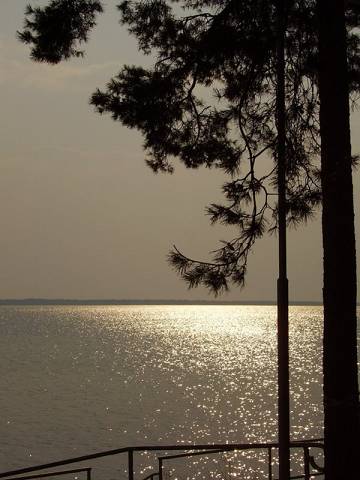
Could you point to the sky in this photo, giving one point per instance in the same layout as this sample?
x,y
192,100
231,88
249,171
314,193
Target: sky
x,y
82,216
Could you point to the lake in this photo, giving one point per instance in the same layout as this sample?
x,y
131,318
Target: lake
x,y
81,379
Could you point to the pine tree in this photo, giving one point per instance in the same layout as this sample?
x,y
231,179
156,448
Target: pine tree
x,y
341,391
210,100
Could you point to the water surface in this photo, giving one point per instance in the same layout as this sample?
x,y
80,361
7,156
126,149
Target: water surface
x,y
77,380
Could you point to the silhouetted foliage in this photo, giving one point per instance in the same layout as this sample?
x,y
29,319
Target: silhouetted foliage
x,y
209,100
56,30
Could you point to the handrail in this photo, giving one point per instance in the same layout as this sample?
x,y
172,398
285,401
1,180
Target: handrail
x,y
305,445
56,474
312,443
183,455
192,454
61,463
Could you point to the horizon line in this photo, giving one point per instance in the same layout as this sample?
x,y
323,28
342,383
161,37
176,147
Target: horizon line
x,y
112,301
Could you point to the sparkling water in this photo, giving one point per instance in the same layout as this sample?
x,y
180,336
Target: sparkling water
x,y
81,379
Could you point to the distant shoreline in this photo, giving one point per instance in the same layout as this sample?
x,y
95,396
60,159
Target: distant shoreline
x,y
94,302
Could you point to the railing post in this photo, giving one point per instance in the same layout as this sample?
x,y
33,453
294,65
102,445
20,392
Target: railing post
x,y
130,464
88,474
270,462
160,469
306,463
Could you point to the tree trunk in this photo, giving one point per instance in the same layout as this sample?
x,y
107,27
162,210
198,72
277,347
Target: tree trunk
x,y
341,394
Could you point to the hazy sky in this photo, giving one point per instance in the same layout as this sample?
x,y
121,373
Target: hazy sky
x,y
81,214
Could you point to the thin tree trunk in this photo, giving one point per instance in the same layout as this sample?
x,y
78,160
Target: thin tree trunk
x,y
282,283
341,394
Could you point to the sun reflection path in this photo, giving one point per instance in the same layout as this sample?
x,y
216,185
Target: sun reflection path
x,y
130,375
214,370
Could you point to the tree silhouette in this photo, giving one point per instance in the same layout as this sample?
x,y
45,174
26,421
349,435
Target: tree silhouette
x,y
209,100
228,48
341,391
56,31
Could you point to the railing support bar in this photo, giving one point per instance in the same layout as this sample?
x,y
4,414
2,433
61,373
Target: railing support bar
x,y
51,474
130,464
306,463
160,468
270,462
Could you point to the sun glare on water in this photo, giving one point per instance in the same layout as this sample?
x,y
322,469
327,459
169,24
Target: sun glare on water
x,y
135,375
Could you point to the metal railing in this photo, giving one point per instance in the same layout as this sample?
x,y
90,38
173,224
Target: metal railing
x,y
56,474
310,467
